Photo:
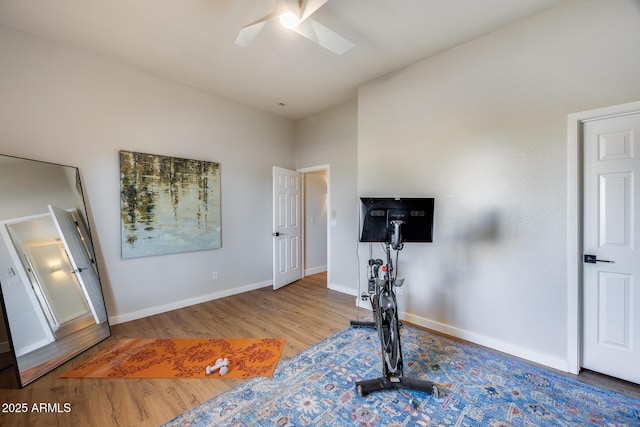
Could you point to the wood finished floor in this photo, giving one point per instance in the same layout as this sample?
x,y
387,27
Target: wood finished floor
x,y
304,312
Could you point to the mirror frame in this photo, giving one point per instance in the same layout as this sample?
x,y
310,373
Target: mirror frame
x,y
84,336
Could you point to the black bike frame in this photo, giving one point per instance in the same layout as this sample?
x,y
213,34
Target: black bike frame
x,y
387,323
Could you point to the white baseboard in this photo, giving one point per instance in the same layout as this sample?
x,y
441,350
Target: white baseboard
x,y
344,289
31,347
127,317
533,356
315,270
523,353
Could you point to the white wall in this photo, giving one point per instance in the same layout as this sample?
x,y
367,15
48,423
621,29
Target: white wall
x,y
315,222
66,105
482,128
330,138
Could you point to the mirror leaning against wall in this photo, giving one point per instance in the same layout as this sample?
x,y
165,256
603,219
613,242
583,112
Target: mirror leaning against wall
x,y
52,302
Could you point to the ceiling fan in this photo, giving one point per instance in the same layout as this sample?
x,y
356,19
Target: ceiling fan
x,y
295,15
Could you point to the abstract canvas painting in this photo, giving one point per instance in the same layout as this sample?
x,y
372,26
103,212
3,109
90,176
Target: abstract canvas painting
x,y
168,204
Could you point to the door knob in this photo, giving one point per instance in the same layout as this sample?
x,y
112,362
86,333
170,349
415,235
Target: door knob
x,y
276,234
592,259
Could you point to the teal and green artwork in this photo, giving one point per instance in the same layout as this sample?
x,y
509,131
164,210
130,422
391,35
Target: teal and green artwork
x,y
168,204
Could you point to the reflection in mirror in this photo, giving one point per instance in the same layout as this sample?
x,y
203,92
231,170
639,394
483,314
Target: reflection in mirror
x,y
52,302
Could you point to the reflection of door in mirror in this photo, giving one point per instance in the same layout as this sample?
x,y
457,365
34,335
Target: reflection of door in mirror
x,y
51,292
50,275
81,262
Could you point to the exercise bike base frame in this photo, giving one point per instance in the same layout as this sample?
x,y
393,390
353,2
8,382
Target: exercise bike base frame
x,y
363,324
366,387
367,324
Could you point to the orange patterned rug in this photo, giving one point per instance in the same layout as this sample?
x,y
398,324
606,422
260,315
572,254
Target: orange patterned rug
x,y
182,358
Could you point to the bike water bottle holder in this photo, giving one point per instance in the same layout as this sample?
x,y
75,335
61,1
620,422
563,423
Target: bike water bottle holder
x,y
380,282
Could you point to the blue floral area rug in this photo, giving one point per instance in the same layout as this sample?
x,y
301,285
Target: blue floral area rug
x,y
477,388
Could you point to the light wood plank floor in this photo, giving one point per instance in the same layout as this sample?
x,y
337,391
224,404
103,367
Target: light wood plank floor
x,y
304,313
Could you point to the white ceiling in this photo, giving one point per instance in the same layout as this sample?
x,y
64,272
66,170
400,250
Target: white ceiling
x,y
192,41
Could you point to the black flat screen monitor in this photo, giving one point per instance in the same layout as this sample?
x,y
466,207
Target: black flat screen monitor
x,y
378,212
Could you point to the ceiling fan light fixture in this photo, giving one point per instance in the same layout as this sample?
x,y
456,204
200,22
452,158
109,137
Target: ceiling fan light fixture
x,y
295,15
289,20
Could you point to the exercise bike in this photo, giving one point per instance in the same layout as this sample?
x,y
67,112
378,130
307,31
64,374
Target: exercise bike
x,y
382,280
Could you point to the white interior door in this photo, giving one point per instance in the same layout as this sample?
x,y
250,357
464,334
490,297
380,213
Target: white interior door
x,y
287,267
80,261
611,298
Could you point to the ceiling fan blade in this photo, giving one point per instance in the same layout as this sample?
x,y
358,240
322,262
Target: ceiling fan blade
x,y
328,39
250,31
308,7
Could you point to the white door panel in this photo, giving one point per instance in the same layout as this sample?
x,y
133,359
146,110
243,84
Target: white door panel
x,y
286,227
611,300
615,209
614,311
80,261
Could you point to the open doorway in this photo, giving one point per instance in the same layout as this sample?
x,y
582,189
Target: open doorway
x,y
316,220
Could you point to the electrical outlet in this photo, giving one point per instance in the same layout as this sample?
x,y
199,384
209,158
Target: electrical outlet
x,y
214,275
